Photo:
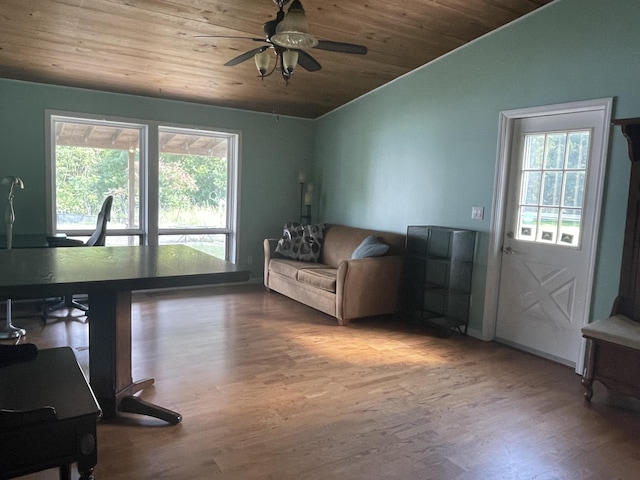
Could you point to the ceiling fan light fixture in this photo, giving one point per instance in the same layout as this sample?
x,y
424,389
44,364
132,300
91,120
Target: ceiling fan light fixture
x,y
293,31
289,60
262,60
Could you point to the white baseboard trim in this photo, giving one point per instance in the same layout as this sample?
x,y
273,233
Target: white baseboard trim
x,y
537,353
475,333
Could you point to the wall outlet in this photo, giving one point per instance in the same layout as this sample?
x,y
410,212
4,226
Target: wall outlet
x,y
477,213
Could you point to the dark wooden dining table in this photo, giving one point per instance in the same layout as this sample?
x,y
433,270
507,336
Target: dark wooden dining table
x,y
25,241
109,275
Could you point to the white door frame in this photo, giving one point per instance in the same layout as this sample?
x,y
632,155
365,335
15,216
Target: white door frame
x,y
496,232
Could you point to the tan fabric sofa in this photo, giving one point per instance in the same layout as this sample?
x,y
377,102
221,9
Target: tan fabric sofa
x,y
338,285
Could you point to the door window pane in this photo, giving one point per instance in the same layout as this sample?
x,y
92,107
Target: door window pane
x,y
552,188
578,150
548,225
528,227
531,188
573,189
555,151
570,226
552,192
534,148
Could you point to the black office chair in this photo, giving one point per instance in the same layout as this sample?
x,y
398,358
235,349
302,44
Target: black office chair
x,y
97,239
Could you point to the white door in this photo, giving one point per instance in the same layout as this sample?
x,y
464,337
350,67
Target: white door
x,y
555,175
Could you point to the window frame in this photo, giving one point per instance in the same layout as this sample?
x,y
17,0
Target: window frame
x,y
148,231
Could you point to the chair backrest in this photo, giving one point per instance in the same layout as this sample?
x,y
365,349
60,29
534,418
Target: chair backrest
x,y
98,237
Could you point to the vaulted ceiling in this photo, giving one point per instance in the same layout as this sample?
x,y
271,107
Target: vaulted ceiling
x,y
153,47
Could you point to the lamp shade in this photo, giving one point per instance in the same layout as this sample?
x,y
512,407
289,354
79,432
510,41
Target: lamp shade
x,y
293,31
262,60
289,60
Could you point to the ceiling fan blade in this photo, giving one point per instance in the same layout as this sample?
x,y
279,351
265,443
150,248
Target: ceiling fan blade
x,y
245,56
307,62
228,36
341,47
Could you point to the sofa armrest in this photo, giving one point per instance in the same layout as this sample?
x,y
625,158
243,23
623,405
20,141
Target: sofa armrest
x,y
368,286
269,249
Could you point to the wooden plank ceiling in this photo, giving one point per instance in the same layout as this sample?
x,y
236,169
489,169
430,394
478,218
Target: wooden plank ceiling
x,y
152,48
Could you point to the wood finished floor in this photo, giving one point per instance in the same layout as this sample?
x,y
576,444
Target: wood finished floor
x,y
270,389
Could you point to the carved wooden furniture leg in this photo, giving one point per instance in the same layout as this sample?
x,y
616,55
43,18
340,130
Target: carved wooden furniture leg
x,y
587,377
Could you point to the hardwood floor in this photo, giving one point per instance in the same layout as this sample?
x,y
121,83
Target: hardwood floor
x,y
271,389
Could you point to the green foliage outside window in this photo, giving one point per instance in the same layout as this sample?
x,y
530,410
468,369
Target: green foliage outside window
x,y
85,176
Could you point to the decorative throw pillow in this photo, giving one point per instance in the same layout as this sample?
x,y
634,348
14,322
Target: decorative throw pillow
x,y
289,243
311,243
370,247
301,242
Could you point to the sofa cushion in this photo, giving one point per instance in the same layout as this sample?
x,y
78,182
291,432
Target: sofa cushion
x,y
323,278
290,268
301,242
371,246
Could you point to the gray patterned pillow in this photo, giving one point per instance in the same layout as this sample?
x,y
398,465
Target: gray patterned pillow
x,y
301,242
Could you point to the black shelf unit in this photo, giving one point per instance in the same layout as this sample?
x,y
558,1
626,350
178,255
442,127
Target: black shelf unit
x,y
439,267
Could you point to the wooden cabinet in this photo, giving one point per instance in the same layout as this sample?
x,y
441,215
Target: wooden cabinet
x,y
439,267
613,356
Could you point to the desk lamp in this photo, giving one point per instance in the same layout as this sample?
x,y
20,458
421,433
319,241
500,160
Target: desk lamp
x,y
9,331
9,214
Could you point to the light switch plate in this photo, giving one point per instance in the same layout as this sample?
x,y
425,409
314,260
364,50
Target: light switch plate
x,y
477,213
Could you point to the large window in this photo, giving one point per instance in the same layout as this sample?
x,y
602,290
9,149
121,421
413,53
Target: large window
x,y
170,184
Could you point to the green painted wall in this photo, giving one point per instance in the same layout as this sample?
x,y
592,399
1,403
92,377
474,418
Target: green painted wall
x,y
274,149
422,150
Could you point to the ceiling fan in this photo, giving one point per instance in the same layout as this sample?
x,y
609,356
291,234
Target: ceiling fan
x,y
287,36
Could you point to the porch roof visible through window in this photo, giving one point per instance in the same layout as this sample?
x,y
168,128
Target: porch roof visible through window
x,y
96,136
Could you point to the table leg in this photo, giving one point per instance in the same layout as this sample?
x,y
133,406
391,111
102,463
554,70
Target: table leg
x,y
110,359
10,331
587,376
133,404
